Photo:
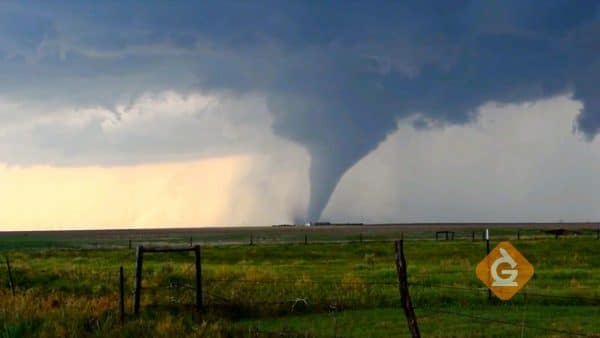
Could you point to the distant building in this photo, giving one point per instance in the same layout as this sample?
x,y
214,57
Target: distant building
x,y
320,223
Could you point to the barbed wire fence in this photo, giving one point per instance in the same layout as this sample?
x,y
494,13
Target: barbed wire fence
x,y
292,303
291,235
362,235
295,305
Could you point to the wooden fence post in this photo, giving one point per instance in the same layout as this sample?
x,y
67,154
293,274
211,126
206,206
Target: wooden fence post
x,y
403,287
11,282
251,238
191,242
130,243
139,260
361,237
305,238
121,295
472,236
519,235
199,300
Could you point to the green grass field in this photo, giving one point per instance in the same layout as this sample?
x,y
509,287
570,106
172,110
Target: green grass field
x,y
316,290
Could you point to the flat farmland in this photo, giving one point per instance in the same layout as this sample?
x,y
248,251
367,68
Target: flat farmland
x,y
280,234
298,282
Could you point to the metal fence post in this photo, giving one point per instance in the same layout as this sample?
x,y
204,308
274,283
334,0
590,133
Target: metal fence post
x,y
487,250
139,261
11,282
121,295
199,300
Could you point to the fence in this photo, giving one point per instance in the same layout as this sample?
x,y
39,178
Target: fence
x,y
114,239
237,308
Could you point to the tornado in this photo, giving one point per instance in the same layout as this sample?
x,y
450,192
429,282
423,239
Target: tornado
x,y
337,130
325,173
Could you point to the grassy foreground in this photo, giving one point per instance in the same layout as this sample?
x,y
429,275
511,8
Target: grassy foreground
x,y
314,290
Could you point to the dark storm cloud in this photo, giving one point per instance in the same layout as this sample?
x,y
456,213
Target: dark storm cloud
x,y
337,75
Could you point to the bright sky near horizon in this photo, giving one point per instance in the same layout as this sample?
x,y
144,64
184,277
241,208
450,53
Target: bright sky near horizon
x,y
166,194
146,114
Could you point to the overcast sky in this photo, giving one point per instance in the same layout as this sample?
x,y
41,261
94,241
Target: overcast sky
x,y
252,113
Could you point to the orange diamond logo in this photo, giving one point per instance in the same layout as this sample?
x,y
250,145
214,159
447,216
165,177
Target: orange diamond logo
x,y
504,271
